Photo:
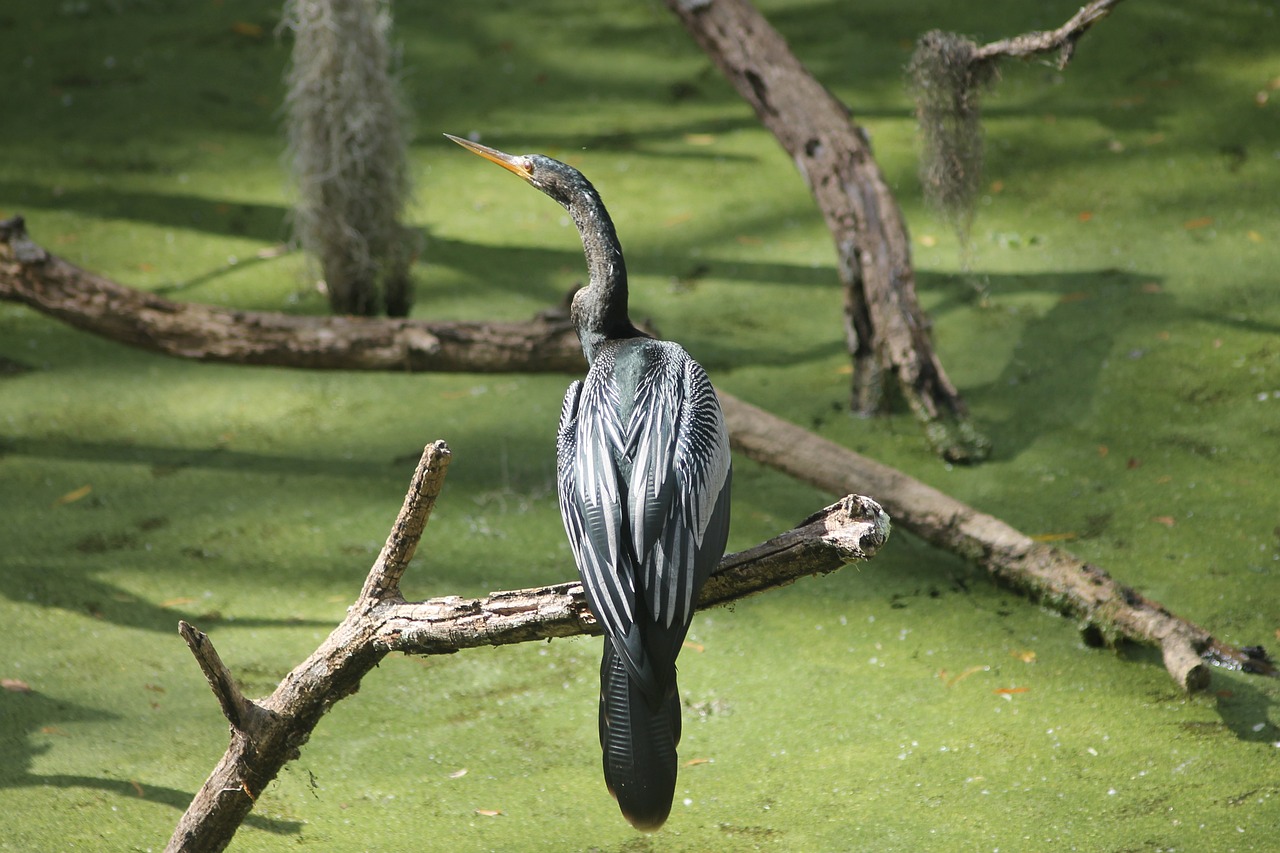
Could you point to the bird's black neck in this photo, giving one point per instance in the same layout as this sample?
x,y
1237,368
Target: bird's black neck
x,y
600,308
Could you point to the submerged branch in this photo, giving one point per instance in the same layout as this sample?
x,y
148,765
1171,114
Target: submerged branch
x,y
1043,573
267,734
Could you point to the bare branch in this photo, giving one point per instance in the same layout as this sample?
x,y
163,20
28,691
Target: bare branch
x,y
31,275
235,707
384,578
268,735
1049,575
1063,39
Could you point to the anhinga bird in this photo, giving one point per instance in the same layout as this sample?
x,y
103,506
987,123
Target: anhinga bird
x,y
643,474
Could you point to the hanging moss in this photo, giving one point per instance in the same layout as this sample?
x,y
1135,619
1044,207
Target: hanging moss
x,y
946,81
348,152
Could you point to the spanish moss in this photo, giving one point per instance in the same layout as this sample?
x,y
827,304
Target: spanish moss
x,y
348,152
947,80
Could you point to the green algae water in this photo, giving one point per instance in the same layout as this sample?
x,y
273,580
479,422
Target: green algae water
x,y
1125,362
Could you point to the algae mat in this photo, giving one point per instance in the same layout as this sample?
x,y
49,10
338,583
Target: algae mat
x,y
1126,364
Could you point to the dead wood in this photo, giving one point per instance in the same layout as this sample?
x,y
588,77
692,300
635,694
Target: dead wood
x,y
886,330
1109,610
1062,40
1048,575
31,275
267,734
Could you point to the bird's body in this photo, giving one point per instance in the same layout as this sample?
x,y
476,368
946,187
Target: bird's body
x,y
643,475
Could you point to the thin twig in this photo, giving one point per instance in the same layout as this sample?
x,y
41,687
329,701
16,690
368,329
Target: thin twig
x,y
1063,39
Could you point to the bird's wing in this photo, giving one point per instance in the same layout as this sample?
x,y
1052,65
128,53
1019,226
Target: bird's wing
x,y
680,471
590,504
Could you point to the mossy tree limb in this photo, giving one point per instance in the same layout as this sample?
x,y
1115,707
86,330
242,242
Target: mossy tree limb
x,y
887,331
948,73
267,734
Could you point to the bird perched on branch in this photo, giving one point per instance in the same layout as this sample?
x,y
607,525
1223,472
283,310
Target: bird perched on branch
x,y
643,473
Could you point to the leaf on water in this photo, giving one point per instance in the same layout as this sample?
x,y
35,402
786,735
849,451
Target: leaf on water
x,y
15,685
73,496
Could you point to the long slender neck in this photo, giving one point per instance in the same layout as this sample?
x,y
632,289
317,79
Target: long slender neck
x,y
600,308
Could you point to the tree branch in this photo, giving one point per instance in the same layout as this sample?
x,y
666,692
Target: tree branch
x,y
886,330
1051,576
33,276
1063,39
268,734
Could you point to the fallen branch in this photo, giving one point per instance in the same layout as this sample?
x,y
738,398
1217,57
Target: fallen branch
x,y
1110,610
266,735
1048,575
33,276
886,330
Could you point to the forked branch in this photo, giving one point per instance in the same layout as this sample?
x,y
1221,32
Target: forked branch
x,y
267,734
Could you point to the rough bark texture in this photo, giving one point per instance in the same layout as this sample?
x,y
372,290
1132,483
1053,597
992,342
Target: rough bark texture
x,y
1049,575
266,735
887,332
35,277
1063,39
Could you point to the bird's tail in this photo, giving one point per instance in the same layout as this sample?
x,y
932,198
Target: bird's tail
x,y
639,744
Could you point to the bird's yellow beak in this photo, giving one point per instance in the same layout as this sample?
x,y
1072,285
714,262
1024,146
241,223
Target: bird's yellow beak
x,y
516,165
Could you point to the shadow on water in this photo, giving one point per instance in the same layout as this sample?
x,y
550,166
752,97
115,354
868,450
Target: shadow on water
x,y
27,713
1058,355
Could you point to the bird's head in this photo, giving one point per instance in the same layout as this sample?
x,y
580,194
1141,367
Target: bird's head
x,y
558,180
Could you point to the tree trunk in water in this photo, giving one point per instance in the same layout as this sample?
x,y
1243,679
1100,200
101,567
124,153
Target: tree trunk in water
x,y
886,330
